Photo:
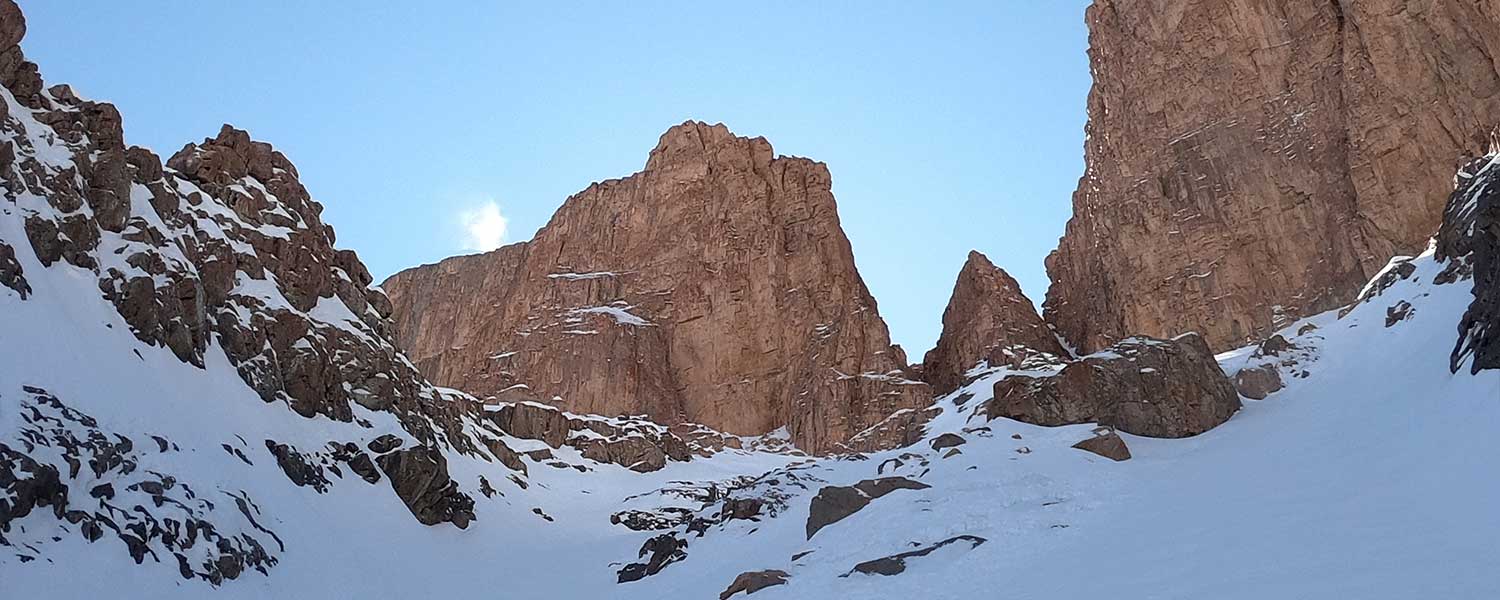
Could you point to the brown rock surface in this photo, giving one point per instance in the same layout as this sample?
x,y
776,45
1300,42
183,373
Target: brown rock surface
x,y
1257,382
754,581
1107,444
1252,161
1144,386
715,287
986,316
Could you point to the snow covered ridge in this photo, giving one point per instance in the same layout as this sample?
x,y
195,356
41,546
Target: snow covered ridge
x,y
147,309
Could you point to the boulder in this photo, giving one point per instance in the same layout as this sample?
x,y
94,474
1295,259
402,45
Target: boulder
x,y
754,581
1106,443
896,563
1144,386
420,477
1257,382
834,503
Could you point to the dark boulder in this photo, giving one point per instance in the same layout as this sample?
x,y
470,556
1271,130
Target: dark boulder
x,y
420,477
833,503
1145,386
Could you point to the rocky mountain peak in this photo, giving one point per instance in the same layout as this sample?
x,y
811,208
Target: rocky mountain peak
x,y
714,287
988,319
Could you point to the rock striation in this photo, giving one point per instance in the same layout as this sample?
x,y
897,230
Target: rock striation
x,y
1250,162
987,319
715,287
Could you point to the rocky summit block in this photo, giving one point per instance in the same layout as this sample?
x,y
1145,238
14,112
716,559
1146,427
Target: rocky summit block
x,y
986,318
1144,386
715,287
1256,161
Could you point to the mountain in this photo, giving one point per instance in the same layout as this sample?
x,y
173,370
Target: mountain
x,y
201,396
1250,162
715,287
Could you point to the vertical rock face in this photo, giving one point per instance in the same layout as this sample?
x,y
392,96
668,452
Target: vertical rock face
x,y
715,286
1470,241
1250,161
986,318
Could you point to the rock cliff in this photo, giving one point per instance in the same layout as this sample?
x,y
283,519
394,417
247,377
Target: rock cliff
x,y
714,287
987,319
1253,161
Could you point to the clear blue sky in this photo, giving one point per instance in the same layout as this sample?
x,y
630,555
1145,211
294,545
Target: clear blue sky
x,y
947,127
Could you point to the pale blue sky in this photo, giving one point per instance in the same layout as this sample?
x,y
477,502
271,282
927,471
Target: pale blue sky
x,y
946,126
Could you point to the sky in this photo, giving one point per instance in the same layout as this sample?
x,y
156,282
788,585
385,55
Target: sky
x,y
429,129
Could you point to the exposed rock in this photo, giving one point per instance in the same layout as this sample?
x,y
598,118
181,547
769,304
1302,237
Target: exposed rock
x,y
531,421
11,275
896,563
385,443
631,442
1144,386
1257,382
623,303
754,581
899,430
1106,443
948,440
986,316
640,520
833,503
1470,240
298,468
663,549
356,460
420,477
1250,163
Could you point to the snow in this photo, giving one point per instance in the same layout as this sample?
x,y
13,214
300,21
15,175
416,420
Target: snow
x,y
621,315
1370,477
581,276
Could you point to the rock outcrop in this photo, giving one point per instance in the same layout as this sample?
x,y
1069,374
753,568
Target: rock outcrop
x,y
834,503
713,287
1253,161
1149,387
754,581
1470,241
1106,443
987,319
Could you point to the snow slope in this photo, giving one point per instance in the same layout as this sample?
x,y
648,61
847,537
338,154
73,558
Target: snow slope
x,y
1369,477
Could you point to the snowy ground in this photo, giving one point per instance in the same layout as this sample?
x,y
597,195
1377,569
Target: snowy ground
x,y
1371,477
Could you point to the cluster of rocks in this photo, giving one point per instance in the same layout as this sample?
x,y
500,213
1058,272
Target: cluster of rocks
x,y
632,442
62,461
715,286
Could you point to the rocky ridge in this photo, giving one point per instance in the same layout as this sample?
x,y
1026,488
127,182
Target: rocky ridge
x,y
1249,163
715,287
218,256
